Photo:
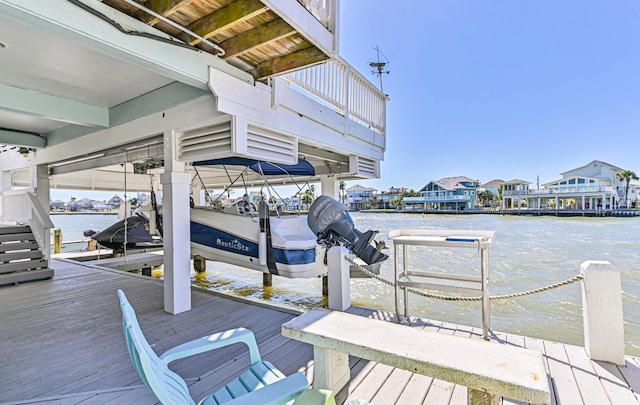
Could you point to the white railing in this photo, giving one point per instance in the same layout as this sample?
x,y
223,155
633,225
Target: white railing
x,y
344,88
561,190
439,198
321,9
22,206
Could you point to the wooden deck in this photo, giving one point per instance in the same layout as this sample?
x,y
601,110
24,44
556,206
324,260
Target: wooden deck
x,y
61,342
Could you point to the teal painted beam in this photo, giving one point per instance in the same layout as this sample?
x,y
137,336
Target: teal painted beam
x,y
8,137
164,98
155,101
56,108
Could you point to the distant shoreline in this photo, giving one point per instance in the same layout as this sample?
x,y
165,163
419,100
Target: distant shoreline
x,y
82,213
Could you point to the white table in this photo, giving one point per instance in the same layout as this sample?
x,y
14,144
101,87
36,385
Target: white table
x,y
406,278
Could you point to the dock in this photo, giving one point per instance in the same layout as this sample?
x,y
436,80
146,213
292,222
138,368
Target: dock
x,y
61,342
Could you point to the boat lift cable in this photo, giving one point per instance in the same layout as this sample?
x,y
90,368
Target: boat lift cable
x,y
206,192
120,28
176,25
571,280
126,216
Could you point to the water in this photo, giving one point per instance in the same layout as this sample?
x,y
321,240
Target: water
x,y
527,252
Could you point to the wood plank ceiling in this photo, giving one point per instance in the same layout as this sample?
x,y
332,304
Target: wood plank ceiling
x,y
254,38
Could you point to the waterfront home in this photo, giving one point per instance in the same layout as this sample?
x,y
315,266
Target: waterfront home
x,y
122,96
594,186
493,186
449,193
58,205
512,191
115,202
359,197
489,192
388,198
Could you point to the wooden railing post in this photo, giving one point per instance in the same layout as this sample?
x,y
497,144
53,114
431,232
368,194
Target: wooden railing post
x,y
57,241
602,312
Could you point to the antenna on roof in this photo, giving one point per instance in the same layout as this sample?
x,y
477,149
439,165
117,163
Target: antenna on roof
x,y
379,66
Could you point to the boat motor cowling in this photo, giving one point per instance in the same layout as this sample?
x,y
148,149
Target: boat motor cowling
x,y
332,224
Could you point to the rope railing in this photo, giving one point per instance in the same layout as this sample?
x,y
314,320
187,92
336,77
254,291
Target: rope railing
x,y
571,280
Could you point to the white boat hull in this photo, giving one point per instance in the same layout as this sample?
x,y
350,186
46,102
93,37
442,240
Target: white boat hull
x,y
236,239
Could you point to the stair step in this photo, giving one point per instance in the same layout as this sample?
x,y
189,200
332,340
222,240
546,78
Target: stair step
x,y
27,275
22,265
10,229
27,254
22,236
13,246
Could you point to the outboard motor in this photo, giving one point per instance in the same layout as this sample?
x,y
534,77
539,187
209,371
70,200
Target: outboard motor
x,y
332,224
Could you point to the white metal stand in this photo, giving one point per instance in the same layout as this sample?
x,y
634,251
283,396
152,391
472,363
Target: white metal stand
x,y
405,278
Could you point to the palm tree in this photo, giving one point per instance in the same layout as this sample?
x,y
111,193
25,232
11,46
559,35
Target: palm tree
x,y
626,176
343,187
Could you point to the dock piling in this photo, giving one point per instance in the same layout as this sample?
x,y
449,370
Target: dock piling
x,y
602,312
338,278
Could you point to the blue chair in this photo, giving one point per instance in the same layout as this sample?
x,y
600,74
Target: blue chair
x,y
261,384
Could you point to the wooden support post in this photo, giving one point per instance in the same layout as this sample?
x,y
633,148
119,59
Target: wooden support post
x,y
267,279
338,283
57,241
602,312
325,286
199,264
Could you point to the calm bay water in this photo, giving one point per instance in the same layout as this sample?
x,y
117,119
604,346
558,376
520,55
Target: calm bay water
x,y
528,252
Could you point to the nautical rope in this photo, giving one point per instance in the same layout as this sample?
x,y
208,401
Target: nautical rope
x,y
573,279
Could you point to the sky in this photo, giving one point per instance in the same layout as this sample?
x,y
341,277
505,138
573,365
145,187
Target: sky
x,y
500,89
497,89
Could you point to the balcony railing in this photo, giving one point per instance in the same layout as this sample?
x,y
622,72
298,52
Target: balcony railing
x,y
440,198
561,190
321,9
341,86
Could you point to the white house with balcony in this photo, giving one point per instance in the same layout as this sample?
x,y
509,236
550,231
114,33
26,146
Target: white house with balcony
x,y
594,186
359,197
449,193
121,96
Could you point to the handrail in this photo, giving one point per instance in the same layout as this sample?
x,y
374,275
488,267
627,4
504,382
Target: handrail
x,y
41,225
23,206
344,88
42,215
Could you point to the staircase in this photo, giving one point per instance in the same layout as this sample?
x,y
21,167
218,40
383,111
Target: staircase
x,y
20,256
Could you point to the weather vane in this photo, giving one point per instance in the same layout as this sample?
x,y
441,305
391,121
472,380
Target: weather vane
x,y
379,66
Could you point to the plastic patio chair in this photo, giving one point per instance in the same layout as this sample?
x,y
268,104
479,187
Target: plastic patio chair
x,y
262,383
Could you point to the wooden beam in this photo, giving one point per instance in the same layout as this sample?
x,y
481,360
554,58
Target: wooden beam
x,y
292,61
164,8
222,19
249,40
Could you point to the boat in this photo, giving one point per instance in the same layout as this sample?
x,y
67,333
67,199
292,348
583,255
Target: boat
x,y
131,233
263,238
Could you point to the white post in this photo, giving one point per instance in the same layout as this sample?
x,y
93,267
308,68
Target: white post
x,y
43,188
602,312
338,269
176,227
329,186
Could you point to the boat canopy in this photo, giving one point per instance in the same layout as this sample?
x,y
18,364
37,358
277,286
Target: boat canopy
x,y
302,168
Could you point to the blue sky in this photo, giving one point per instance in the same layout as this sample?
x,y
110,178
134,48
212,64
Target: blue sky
x,y
500,88
497,88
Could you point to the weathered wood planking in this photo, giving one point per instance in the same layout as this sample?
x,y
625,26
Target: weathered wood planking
x,y
61,342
